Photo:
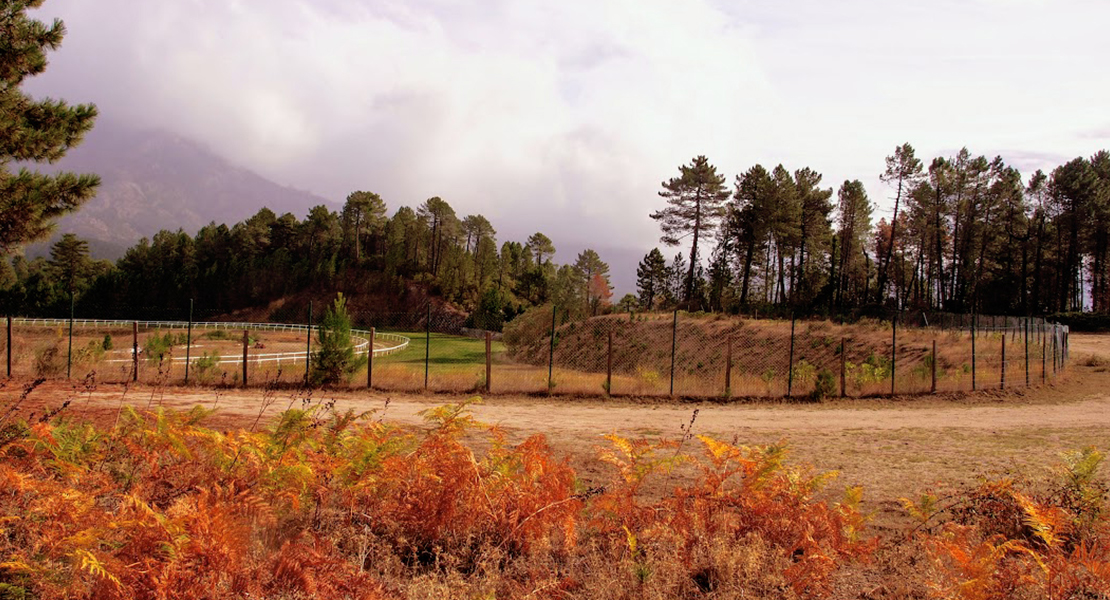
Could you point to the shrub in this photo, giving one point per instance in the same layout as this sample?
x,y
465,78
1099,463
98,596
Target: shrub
x,y
49,361
157,347
205,366
825,386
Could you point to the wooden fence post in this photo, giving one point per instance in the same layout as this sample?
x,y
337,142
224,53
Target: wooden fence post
x,y
790,360
843,367
1002,383
933,388
609,367
728,368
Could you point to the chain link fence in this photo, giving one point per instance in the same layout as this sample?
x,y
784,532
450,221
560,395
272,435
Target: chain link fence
x,y
544,352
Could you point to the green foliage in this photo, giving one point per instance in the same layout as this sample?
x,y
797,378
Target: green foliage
x,y
490,312
106,344
335,359
825,386
206,366
157,347
35,131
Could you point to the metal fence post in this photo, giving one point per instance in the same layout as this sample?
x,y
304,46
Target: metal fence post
x,y
134,351
551,352
427,344
69,353
893,350
308,345
674,345
489,359
1002,382
189,341
1026,322
790,367
370,361
246,343
973,352
1044,354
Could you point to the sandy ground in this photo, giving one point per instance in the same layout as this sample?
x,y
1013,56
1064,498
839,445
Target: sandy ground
x,y
894,447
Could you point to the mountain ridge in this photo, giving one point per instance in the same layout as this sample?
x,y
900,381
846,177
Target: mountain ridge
x,y
153,180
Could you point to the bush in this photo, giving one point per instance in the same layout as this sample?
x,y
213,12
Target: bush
x,y
49,361
205,366
157,347
826,385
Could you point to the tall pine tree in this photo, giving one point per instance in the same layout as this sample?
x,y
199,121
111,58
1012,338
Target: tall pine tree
x,y
34,131
695,202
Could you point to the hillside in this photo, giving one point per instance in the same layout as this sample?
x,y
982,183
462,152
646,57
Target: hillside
x,y
760,350
154,180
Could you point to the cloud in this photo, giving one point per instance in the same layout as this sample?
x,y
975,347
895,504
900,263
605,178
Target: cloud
x,y
565,116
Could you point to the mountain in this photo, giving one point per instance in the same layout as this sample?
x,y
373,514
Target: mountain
x,y
153,180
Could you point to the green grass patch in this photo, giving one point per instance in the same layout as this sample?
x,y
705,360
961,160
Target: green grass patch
x,y
448,352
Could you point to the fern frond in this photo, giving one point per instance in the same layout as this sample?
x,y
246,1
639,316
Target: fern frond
x,y
1049,523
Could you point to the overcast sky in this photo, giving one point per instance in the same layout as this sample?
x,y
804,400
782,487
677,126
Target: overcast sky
x,y
564,116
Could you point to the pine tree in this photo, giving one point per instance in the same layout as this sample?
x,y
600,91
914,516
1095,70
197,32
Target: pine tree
x,y
588,265
363,211
695,204
903,170
69,260
35,131
335,360
651,279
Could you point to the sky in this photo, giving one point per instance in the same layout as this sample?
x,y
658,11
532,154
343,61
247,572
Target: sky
x,y
565,116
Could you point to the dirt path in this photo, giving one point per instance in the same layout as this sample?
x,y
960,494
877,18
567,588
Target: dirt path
x,y
893,447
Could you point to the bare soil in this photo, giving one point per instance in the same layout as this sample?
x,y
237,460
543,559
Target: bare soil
x,y
897,447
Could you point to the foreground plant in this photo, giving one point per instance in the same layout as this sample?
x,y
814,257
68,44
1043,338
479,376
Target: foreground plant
x,y
328,504
1004,541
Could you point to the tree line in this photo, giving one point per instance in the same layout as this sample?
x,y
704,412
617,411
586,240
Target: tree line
x,y
358,249
967,234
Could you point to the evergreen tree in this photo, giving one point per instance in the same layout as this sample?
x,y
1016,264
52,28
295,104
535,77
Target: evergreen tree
x,y
35,131
540,246
695,204
903,170
749,220
589,265
853,227
335,359
363,211
69,260
651,279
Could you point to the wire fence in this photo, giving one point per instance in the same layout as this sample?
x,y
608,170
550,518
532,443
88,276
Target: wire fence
x,y
544,352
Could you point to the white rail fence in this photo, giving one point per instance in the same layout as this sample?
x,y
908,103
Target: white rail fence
x,y
385,343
